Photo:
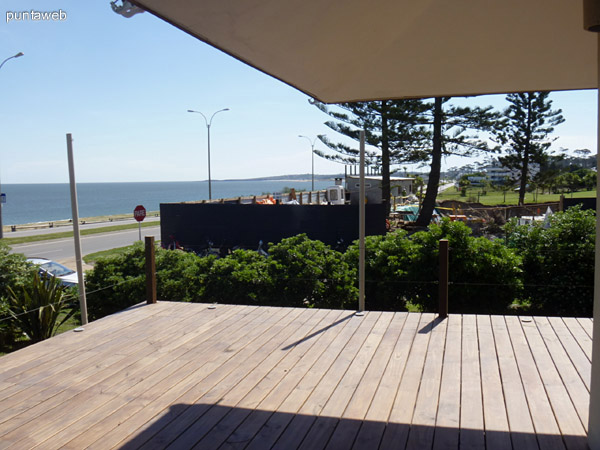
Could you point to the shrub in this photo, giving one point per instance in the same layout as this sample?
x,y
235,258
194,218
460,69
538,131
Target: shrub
x,y
388,260
558,262
309,273
241,278
181,276
485,276
116,282
15,272
36,307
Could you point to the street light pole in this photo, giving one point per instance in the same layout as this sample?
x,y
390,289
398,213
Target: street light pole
x,y
208,124
18,55
312,152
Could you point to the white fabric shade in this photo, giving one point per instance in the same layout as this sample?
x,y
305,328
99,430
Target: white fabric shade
x,y
350,50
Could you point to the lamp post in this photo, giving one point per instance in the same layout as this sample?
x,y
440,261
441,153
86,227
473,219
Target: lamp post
x,y
18,55
208,124
312,152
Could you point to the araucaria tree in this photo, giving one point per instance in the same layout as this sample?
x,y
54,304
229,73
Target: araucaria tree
x,y
395,127
454,131
524,133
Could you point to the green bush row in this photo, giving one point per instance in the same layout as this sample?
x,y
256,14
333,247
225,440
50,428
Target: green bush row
x,y
297,272
540,269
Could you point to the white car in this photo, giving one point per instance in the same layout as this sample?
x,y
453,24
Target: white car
x,y
67,276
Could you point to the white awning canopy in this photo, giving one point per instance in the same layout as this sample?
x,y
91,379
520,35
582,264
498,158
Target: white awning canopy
x,y
348,50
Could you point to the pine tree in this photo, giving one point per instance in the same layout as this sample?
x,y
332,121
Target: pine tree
x,y
453,127
395,127
524,133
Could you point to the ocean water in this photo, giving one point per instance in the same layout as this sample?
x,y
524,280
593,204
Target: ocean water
x,y
30,203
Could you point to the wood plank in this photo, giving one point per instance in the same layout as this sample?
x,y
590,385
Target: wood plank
x,y
576,354
207,333
580,335
346,431
570,425
300,425
424,418
128,428
396,432
109,391
578,392
67,385
373,428
448,414
262,377
65,344
262,329
295,349
522,431
251,390
206,376
319,342
62,371
325,424
497,431
548,432
471,398
280,419
587,323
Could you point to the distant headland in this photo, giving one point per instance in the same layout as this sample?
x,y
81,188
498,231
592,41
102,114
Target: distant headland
x,y
297,177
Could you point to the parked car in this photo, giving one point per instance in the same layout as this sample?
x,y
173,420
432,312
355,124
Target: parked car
x,y
67,276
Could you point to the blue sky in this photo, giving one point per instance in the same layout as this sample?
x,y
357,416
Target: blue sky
x,y
122,88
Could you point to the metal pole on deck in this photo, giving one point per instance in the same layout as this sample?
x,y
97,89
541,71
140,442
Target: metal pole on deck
x,y
76,235
361,228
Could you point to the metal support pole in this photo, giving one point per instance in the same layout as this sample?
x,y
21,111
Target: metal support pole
x,y
150,271
209,179
361,227
76,234
444,278
312,152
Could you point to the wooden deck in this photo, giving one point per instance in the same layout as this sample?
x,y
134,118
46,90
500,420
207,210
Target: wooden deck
x,y
184,376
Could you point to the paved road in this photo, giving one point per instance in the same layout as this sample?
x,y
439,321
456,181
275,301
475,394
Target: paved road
x,y
87,226
63,250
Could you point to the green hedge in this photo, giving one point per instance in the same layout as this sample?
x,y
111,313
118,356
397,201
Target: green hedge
x,y
544,270
558,262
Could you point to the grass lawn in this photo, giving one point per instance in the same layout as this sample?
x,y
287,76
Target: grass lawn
x,y
67,234
93,257
493,198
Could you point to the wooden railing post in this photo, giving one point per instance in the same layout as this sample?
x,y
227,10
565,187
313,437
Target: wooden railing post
x,y
310,197
150,271
443,288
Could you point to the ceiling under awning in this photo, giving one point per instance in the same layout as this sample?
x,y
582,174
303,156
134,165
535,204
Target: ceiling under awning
x,y
353,50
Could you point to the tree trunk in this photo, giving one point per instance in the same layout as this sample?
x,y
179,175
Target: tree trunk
x,y
523,184
436,165
385,159
526,152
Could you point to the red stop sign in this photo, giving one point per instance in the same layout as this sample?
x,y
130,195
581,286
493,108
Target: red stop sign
x,y
139,213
